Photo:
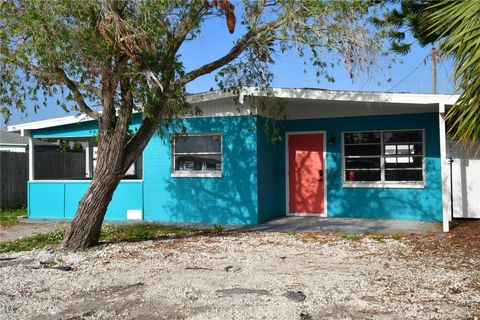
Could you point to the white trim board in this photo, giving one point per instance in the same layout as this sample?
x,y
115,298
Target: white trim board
x,y
325,174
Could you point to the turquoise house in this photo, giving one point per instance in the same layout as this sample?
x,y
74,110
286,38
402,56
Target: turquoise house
x,y
338,154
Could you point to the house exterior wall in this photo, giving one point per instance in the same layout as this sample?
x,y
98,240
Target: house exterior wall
x,y
270,172
389,203
59,199
252,188
161,197
231,198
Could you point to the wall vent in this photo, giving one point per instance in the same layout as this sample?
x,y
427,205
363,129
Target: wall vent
x,y
134,214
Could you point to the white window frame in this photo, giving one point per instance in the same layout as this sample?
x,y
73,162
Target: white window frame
x,y
198,174
383,183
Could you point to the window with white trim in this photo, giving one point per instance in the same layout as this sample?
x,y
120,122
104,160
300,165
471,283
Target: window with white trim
x,y
383,157
197,155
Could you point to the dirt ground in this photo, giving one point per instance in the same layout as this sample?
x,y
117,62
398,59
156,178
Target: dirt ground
x,y
251,276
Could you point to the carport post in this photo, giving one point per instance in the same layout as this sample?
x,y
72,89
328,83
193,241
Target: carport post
x,y
444,169
31,158
89,159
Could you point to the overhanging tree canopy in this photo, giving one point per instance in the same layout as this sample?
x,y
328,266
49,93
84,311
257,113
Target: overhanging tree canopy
x,y
111,58
458,26
454,27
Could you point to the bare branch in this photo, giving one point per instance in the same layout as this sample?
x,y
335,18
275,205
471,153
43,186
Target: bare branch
x,y
148,127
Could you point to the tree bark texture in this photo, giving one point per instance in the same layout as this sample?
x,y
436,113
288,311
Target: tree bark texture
x,y
86,226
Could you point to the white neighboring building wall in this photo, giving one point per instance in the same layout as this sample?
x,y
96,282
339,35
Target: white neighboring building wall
x,y
466,181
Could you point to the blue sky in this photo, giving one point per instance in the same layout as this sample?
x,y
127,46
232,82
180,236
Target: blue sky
x,y
289,72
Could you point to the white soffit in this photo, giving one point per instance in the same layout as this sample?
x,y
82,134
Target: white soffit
x,y
313,109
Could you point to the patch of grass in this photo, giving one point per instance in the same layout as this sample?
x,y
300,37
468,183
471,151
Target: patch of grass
x,y
292,233
36,241
396,236
352,237
141,231
110,232
379,238
10,215
217,228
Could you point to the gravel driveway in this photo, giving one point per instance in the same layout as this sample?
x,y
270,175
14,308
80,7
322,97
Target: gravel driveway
x,y
243,276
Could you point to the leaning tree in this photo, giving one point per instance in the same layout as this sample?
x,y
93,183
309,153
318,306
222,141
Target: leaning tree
x,y
108,59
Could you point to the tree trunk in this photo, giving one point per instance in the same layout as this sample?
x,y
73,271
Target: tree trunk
x,y
86,226
113,161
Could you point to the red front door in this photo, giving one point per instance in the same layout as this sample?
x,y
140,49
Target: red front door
x,y
306,173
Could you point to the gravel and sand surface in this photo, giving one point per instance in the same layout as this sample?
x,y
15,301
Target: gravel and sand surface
x,y
247,276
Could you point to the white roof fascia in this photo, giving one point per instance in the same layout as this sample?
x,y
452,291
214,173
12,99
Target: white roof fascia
x,y
208,96
25,127
286,93
354,96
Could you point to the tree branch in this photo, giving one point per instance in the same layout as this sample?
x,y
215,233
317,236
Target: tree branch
x,y
236,50
53,77
77,94
60,77
135,146
184,28
125,112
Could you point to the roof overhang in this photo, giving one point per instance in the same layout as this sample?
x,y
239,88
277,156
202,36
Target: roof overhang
x,y
354,96
25,128
283,93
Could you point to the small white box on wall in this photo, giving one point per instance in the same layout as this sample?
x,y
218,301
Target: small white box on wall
x,y
134,214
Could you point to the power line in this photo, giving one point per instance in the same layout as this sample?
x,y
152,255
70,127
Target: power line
x,y
408,75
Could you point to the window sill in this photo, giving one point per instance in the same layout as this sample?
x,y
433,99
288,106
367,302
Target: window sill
x,y
196,174
394,185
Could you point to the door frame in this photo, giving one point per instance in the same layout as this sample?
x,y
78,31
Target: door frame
x,y
287,169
